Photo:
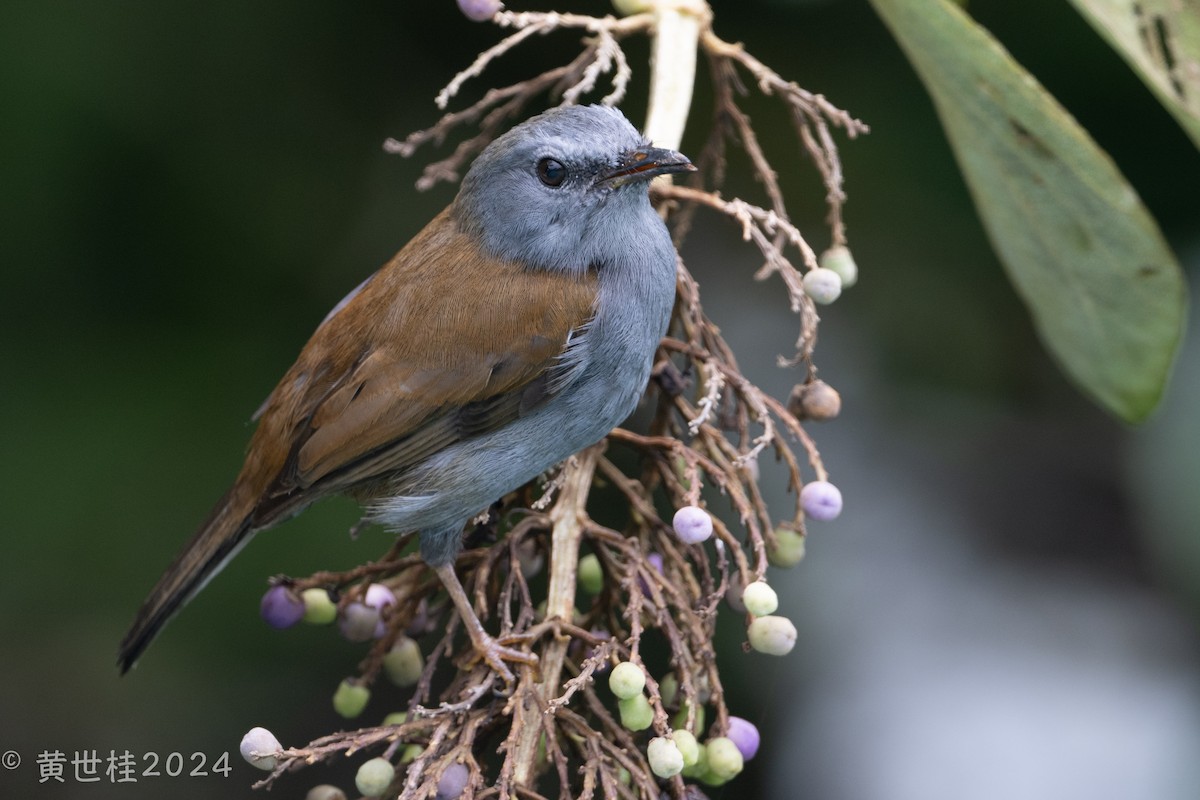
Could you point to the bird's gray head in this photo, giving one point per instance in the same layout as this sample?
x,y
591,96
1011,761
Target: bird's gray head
x,y
554,192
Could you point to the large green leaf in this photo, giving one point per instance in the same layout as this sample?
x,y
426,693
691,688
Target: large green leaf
x,y
1106,294
1161,41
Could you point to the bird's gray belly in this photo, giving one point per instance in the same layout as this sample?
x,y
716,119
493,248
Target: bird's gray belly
x,y
465,478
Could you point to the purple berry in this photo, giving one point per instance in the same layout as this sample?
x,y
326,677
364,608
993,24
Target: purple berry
x,y
821,500
692,524
281,608
453,781
358,622
655,560
745,735
479,10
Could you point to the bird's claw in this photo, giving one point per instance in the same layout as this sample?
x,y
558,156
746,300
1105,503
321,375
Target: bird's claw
x,y
494,654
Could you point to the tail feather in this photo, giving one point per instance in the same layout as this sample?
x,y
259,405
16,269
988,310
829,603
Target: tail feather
x,y
228,528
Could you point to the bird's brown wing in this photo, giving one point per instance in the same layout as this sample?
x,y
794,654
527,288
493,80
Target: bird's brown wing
x,y
442,344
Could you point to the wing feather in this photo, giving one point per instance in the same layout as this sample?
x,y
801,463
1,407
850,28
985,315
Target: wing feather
x,y
442,344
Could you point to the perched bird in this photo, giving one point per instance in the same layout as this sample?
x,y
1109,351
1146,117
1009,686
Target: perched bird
x,y
517,328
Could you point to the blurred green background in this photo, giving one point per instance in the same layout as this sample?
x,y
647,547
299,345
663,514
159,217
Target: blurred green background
x,y
1008,607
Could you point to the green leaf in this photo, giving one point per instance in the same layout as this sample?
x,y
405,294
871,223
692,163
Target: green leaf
x,y
1160,39
1106,294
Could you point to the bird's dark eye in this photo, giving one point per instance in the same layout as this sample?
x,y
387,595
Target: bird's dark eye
x,y
551,172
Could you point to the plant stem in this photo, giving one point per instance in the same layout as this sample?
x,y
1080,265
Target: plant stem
x,y
567,517
677,30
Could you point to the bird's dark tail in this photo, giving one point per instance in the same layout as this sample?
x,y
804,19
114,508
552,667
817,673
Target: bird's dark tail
x,y
228,527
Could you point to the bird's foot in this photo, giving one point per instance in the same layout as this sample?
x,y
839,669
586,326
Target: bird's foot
x,y
495,654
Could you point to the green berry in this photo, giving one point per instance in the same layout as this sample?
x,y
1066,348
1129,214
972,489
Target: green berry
x,y
665,759
668,688
709,778
680,721
627,7
319,608
350,698
724,758
626,680
396,718
822,285
689,748
411,753
789,548
700,766
404,662
760,599
590,575
374,777
636,713
680,466
838,259
775,636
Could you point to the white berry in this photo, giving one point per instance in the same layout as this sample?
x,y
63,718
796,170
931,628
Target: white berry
x,y
665,759
259,747
775,636
822,285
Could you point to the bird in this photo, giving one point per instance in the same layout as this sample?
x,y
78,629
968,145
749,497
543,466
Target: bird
x,y
517,328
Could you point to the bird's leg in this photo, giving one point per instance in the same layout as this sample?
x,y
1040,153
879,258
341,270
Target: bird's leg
x,y
491,651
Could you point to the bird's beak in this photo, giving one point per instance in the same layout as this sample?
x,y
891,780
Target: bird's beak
x,y
642,165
